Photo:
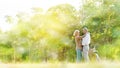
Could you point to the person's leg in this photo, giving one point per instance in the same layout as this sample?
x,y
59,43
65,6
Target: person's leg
x,y
85,53
79,55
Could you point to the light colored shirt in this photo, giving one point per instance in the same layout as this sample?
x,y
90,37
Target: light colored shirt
x,y
86,39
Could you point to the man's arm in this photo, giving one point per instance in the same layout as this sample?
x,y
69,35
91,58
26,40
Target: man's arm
x,y
83,36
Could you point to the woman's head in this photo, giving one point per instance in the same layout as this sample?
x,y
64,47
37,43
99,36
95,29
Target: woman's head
x,y
76,33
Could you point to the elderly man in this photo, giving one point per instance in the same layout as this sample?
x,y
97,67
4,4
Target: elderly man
x,y
85,43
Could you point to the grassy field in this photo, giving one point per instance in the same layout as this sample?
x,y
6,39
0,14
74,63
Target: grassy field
x,y
63,65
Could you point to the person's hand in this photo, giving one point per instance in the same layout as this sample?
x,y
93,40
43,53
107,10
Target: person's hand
x,y
78,37
81,37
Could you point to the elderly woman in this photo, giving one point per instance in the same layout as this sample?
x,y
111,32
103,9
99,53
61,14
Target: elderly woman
x,y
76,34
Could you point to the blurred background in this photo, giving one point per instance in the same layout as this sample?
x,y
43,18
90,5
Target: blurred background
x,y
42,30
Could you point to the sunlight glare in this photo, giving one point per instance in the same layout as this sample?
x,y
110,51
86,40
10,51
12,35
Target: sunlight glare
x,y
5,27
12,7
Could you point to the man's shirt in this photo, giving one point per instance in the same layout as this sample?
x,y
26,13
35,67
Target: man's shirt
x,y
86,39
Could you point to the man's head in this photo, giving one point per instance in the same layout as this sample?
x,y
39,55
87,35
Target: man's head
x,y
85,30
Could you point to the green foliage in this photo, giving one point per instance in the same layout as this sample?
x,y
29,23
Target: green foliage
x,y
44,37
110,51
104,25
49,36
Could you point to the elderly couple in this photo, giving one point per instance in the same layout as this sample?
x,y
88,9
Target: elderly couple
x,y
82,44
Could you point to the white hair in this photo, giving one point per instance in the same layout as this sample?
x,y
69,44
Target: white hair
x,y
75,32
85,28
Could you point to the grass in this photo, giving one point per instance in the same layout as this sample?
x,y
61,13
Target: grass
x,y
103,64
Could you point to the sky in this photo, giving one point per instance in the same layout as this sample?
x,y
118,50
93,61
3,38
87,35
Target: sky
x,y
12,7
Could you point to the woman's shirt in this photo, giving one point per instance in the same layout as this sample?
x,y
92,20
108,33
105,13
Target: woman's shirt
x,y
78,42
